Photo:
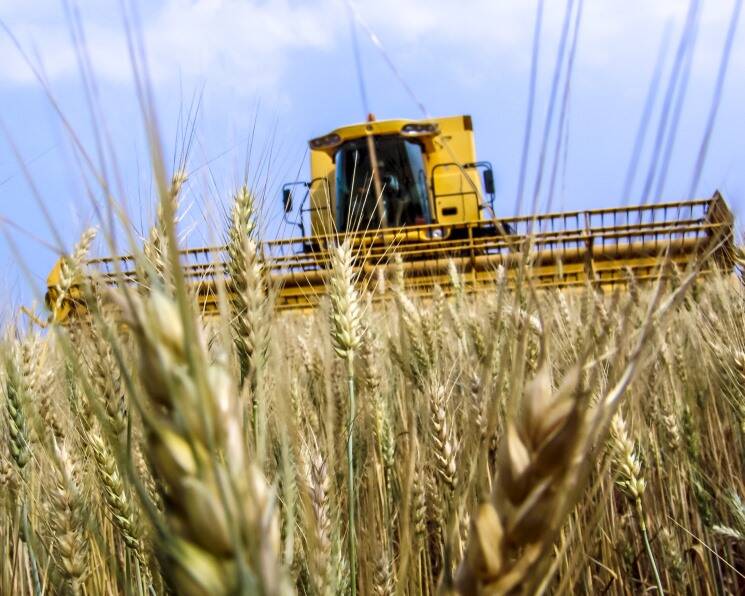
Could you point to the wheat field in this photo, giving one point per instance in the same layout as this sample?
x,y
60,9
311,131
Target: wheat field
x,y
509,441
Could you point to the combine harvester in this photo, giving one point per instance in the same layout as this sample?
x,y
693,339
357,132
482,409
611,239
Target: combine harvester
x,y
414,188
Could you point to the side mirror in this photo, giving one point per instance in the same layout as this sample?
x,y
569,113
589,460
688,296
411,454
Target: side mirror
x,y
489,182
287,199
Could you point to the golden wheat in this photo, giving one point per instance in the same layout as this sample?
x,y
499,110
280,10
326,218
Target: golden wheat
x,y
382,444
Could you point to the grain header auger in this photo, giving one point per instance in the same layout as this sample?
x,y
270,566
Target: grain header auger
x,y
415,189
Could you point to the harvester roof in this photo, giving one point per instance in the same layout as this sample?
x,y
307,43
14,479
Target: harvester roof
x,y
405,127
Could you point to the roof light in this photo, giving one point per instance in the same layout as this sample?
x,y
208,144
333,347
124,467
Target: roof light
x,y
414,129
326,142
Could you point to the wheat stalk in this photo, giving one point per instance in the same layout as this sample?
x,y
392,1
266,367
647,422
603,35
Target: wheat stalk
x,y
345,318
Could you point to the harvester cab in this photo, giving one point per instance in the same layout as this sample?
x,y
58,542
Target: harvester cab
x,y
393,175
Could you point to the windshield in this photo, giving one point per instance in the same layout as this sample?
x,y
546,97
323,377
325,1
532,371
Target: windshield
x,y
402,180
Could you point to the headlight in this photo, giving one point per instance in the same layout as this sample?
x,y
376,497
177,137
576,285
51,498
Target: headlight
x,y
416,129
326,142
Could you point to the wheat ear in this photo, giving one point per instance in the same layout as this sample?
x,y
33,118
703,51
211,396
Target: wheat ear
x,y
318,485
20,449
508,533
68,522
632,482
155,247
18,428
222,533
117,498
249,291
419,367
251,309
72,267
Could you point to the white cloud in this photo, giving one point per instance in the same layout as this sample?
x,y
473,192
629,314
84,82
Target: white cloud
x,y
183,38
247,44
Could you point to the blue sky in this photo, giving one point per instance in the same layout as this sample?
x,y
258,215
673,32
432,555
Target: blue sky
x,y
282,71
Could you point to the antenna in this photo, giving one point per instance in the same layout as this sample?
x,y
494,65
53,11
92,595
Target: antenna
x,y
375,40
368,116
357,59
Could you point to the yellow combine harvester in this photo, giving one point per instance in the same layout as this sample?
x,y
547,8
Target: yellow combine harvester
x,y
414,188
